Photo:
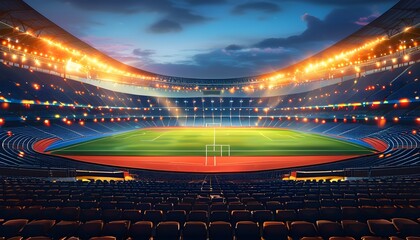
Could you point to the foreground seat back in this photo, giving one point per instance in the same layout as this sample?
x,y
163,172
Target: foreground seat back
x,y
220,230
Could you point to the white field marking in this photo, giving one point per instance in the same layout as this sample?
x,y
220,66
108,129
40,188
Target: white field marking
x,y
300,150
145,150
177,150
152,140
277,140
292,134
134,135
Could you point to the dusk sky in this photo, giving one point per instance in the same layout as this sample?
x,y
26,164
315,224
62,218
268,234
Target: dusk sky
x,y
211,38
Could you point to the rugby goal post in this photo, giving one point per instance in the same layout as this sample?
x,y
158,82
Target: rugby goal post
x,y
216,150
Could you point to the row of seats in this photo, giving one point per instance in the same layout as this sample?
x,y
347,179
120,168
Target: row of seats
x,y
156,216
127,196
219,230
200,203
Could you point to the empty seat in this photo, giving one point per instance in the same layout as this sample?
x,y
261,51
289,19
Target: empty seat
x,y
247,230
109,215
176,215
173,200
341,238
369,212
64,229
50,213
168,231
125,205
90,229
117,229
69,213
350,213
194,231
218,207
200,206
412,238
273,206
220,230
103,238
31,213
252,206
183,206
346,202
286,215
132,215
240,215
300,229
406,227
381,227
274,231
88,204
90,214
219,215
141,230
37,228
154,216
12,227
355,229
329,229
261,216
376,238
311,203
198,215
107,204
164,207
236,206
308,214
11,213
330,213
328,203
293,205
143,206
367,202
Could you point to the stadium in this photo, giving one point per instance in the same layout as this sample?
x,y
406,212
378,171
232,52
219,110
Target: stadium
x,y
325,148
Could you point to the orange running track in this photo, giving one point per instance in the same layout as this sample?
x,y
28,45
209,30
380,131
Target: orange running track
x,y
196,164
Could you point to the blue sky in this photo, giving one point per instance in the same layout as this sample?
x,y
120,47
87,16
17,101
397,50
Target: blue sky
x,y
211,38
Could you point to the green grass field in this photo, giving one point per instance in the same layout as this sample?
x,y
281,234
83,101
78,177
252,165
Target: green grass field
x,y
192,142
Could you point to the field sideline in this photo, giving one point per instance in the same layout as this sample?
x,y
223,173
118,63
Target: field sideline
x,y
183,141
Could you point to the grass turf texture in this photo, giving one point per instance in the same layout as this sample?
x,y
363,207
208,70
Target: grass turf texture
x,y
192,142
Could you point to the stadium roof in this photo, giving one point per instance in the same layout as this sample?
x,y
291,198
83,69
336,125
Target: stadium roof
x,y
403,14
16,13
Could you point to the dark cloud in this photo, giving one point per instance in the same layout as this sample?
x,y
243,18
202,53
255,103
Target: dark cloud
x,y
127,7
165,26
143,52
233,47
265,7
270,54
205,2
177,15
337,24
65,19
224,64
345,2
186,16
